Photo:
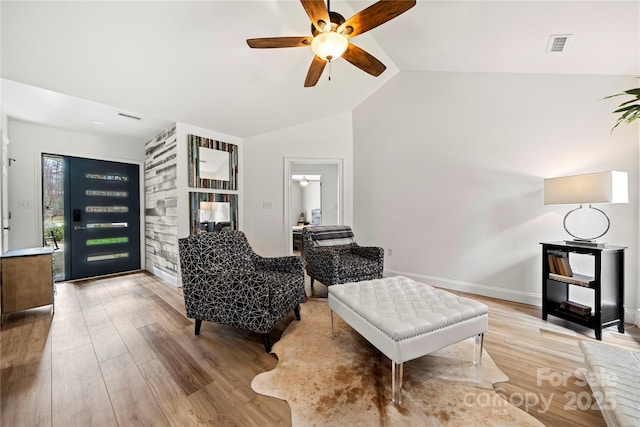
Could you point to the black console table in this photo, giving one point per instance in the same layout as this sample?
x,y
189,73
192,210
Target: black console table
x,y
606,284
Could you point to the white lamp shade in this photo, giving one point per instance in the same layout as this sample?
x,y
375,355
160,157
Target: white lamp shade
x,y
206,206
600,187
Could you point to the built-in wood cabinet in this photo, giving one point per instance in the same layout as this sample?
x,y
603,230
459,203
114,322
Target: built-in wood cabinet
x,y
26,279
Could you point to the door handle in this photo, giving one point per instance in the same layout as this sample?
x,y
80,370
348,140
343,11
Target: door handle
x,y
6,228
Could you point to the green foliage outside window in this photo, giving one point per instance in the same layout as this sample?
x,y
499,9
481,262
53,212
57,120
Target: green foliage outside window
x,y
58,231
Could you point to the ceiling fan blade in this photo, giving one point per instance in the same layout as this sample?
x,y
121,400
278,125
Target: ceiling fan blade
x,y
363,60
315,71
276,42
376,14
318,13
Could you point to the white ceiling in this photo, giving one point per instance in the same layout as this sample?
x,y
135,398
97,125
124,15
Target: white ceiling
x,y
188,61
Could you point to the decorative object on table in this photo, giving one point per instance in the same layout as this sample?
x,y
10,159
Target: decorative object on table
x,y
206,215
212,164
590,188
331,33
302,219
630,109
332,256
225,282
316,215
350,384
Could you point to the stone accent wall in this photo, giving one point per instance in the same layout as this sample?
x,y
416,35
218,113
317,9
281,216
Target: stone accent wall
x,y
161,201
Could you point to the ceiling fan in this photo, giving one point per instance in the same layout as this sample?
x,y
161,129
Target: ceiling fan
x,y
331,34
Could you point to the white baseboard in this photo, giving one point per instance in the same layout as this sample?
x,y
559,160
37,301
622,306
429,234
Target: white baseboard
x,y
473,288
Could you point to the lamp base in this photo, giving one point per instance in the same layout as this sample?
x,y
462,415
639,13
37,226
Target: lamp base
x,y
589,243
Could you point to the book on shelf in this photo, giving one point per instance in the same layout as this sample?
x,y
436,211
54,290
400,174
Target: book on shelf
x,y
576,279
553,264
576,307
559,264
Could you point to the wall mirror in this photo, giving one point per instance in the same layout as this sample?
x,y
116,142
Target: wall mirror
x,y
212,212
212,164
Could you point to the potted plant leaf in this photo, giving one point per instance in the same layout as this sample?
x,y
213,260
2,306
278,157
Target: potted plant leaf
x,y
630,109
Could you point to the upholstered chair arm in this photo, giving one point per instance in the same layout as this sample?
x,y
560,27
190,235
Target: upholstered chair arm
x,y
285,264
285,288
371,252
323,262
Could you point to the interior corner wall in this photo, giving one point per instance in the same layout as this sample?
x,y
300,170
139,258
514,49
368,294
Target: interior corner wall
x,y
449,171
161,206
27,143
328,138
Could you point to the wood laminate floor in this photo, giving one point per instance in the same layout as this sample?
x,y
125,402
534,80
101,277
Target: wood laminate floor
x,y
119,351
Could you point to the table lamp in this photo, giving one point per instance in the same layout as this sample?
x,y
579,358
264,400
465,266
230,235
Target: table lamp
x,y
590,188
206,214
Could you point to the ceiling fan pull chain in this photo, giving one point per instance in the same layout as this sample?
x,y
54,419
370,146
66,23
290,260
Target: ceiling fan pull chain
x,y
330,70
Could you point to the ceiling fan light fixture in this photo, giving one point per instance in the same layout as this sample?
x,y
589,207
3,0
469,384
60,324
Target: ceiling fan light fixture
x,y
329,45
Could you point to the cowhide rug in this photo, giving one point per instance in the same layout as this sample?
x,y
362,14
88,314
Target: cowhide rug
x,y
344,380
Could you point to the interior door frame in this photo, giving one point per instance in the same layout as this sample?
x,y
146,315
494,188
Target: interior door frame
x,y
38,200
288,163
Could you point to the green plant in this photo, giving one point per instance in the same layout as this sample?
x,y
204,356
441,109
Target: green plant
x,y
58,231
630,109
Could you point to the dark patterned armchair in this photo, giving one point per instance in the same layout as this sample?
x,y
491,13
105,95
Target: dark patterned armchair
x,y
332,256
224,281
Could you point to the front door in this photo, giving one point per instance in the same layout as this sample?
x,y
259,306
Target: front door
x,y
103,213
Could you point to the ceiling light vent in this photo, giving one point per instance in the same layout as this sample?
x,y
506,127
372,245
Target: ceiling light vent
x,y
128,116
558,42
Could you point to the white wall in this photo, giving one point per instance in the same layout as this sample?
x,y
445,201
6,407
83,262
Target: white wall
x,y
449,172
264,163
182,130
28,142
312,199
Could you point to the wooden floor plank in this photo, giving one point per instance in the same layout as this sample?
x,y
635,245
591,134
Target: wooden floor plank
x,y
79,395
170,396
119,350
27,401
131,398
183,368
106,340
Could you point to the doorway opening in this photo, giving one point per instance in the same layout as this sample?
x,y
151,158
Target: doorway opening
x,y
313,196
305,204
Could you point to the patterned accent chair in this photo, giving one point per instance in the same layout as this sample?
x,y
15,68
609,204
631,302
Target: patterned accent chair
x,y
225,282
332,256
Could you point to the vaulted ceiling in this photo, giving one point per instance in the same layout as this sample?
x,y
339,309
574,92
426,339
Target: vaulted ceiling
x,y
188,61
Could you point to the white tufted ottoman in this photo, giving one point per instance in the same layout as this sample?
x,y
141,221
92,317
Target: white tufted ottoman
x,y
405,319
614,377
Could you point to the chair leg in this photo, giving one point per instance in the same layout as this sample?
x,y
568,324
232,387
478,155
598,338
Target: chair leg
x,y
297,312
267,342
198,324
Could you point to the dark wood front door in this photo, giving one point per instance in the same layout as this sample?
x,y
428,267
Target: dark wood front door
x,y
103,217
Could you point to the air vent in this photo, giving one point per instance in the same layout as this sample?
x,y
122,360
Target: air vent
x,y
128,116
558,42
